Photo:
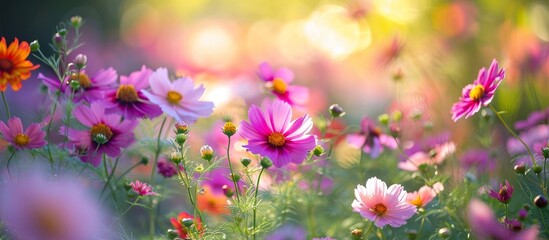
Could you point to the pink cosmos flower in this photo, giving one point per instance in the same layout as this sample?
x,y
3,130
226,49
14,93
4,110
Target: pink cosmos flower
x,y
178,99
383,205
105,133
142,189
272,134
422,197
434,157
13,132
485,225
129,99
278,82
91,88
504,193
480,93
371,139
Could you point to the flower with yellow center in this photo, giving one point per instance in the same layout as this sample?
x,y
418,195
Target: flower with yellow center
x,y
276,139
82,78
279,86
126,93
417,202
477,92
14,66
380,209
101,133
174,97
22,139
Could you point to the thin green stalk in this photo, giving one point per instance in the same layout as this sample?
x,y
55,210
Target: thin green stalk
x,y
506,211
514,134
255,198
48,129
152,216
8,165
187,182
128,209
365,235
6,105
231,169
127,171
421,225
109,176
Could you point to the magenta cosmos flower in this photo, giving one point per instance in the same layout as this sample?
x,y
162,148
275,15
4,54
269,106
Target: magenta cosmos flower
x,y
91,88
279,83
45,208
142,189
504,193
178,99
272,134
371,139
129,99
13,132
480,93
105,133
383,205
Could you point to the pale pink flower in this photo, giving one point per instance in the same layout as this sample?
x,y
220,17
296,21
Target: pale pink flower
x,y
434,157
142,189
422,197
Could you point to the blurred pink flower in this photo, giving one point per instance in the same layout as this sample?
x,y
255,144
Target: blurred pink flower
x,y
13,132
272,134
178,99
91,88
142,189
422,197
383,205
278,82
479,159
106,133
536,138
35,207
480,93
166,168
434,157
485,225
371,139
129,100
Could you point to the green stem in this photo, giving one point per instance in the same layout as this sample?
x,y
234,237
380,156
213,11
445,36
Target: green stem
x,y
8,165
421,226
109,176
514,134
152,222
128,209
255,199
48,129
187,182
365,235
506,211
231,169
128,171
6,105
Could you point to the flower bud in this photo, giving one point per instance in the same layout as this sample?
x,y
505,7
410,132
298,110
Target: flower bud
x,y
412,234
206,152
144,160
76,21
537,169
428,125
100,138
540,201
176,157
199,168
318,151
187,222
416,115
57,40
520,169
383,119
227,191
444,233
394,130
181,138
181,127
266,163
75,85
34,45
229,128
80,61
62,32
356,234
545,152
172,234
522,214
245,161
235,177
396,116
336,111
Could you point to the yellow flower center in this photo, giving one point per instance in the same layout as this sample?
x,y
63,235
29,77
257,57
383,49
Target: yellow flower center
x,y
22,139
276,139
82,78
126,93
102,129
279,86
477,92
174,97
5,65
48,223
417,202
380,209
503,191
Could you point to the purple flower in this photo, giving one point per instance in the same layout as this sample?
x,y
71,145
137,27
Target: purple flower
x,y
91,89
166,168
534,119
142,189
371,139
504,194
13,132
536,138
479,159
220,182
481,92
288,232
178,99
129,99
36,208
279,83
105,133
484,224
272,134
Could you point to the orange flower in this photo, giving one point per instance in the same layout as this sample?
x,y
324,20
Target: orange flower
x,y
13,64
209,202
